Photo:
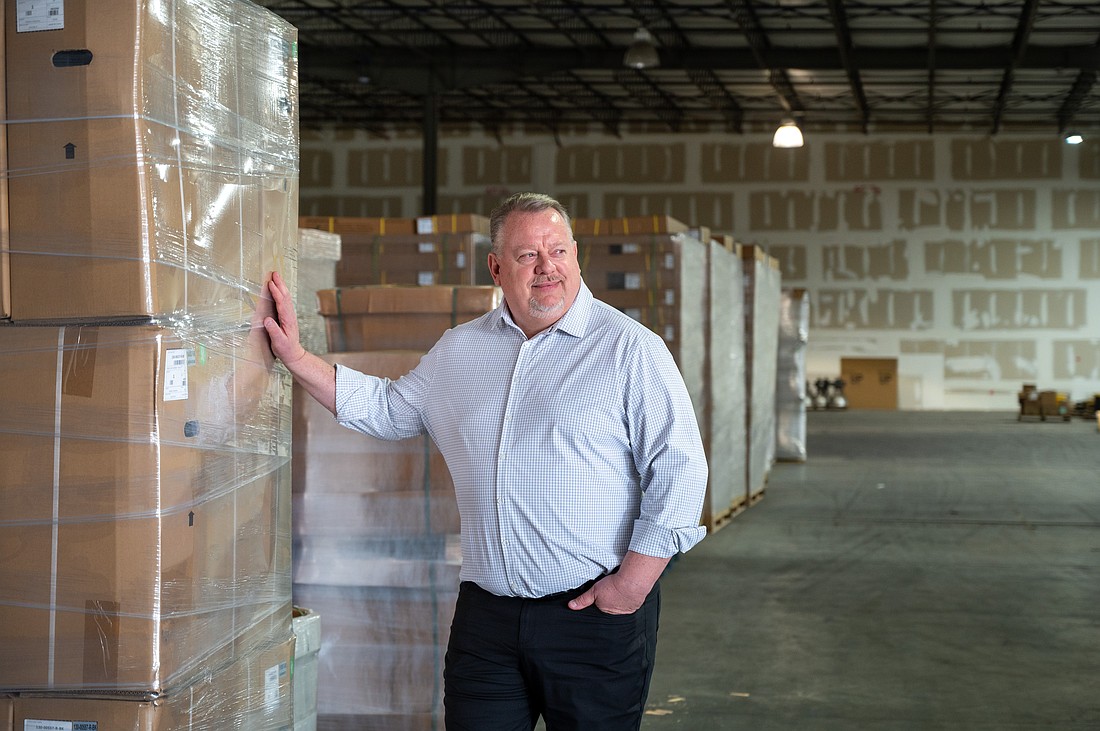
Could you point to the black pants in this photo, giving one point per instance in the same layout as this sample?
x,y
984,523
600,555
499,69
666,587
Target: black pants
x,y
511,660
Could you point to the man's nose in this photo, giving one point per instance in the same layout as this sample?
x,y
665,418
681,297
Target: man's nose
x,y
545,264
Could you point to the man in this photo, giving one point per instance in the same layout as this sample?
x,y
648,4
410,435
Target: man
x,y
579,473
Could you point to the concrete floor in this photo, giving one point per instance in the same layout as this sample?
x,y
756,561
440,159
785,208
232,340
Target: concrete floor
x,y
922,570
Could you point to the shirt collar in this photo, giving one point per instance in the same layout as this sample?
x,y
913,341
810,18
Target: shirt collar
x,y
574,322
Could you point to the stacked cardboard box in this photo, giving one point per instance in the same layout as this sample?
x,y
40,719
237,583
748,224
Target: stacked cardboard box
x,y
762,292
450,249
790,379
376,554
387,317
144,456
725,378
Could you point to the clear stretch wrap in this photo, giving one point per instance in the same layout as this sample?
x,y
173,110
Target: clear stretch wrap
x,y
762,286
152,156
727,442
376,555
790,379
151,166
145,478
318,253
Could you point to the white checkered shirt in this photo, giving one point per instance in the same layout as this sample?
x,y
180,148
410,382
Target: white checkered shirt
x,y
566,450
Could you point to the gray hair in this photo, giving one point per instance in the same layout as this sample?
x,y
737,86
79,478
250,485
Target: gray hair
x,y
521,203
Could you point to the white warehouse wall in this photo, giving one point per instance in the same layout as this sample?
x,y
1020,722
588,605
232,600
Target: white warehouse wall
x,y
975,261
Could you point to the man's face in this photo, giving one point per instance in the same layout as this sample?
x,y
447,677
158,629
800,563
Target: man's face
x,y
537,268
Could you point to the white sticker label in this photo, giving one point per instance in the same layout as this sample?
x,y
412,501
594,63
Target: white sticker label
x,y
424,225
36,15
425,279
273,676
670,296
631,248
632,280
32,724
175,375
426,247
460,260
670,261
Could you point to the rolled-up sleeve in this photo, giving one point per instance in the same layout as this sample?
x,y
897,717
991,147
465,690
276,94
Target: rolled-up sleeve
x,y
668,453
380,407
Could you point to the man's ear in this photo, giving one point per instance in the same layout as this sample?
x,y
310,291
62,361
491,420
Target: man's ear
x,y
494,268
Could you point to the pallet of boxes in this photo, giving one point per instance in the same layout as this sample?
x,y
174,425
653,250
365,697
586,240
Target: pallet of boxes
x,y
144,429
376,522
662,273
763,294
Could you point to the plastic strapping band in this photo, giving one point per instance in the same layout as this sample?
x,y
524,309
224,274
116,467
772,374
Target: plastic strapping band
x,y
382,226
332,224
340,331
56,497
626,226
596,227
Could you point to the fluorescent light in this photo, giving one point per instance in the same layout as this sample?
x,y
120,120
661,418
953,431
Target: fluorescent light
x,y
1074,138
787,135
642,54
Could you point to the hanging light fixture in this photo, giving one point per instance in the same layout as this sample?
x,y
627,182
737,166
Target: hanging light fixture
x,y
1074,138
787,135
642,53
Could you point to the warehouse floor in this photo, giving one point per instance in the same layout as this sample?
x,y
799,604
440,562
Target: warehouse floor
x,y
922,570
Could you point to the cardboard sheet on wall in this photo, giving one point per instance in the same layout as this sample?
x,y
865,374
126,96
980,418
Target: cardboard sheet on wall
x,y
870,383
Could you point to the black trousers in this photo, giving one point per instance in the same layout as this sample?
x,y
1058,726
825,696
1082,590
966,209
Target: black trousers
x,y
511,660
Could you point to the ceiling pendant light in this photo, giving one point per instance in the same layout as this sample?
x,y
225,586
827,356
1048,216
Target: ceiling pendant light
x,y
1073,138
787,135
642,53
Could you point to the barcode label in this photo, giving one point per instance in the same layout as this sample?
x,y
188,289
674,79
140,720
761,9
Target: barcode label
x,y
36,15
32,724
175,374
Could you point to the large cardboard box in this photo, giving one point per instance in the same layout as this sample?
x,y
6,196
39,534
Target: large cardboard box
x,y
145,478
399,318
254,692
6,710
870,383
426,259
448,223
628,226
147,178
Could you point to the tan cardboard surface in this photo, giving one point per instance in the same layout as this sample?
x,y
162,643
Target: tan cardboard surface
x,y
129,211
255,691
454,223
5,281
6,710
655,224
870,383
399,318
146,523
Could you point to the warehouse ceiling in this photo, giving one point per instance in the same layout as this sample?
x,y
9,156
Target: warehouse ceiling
x,y
986,66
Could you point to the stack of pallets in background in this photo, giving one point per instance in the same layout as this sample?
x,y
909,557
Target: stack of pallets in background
x,y
144,429
762,307
790,378
444,249
656,269
376,527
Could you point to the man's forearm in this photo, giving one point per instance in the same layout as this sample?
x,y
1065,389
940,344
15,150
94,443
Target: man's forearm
x,y
317,377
